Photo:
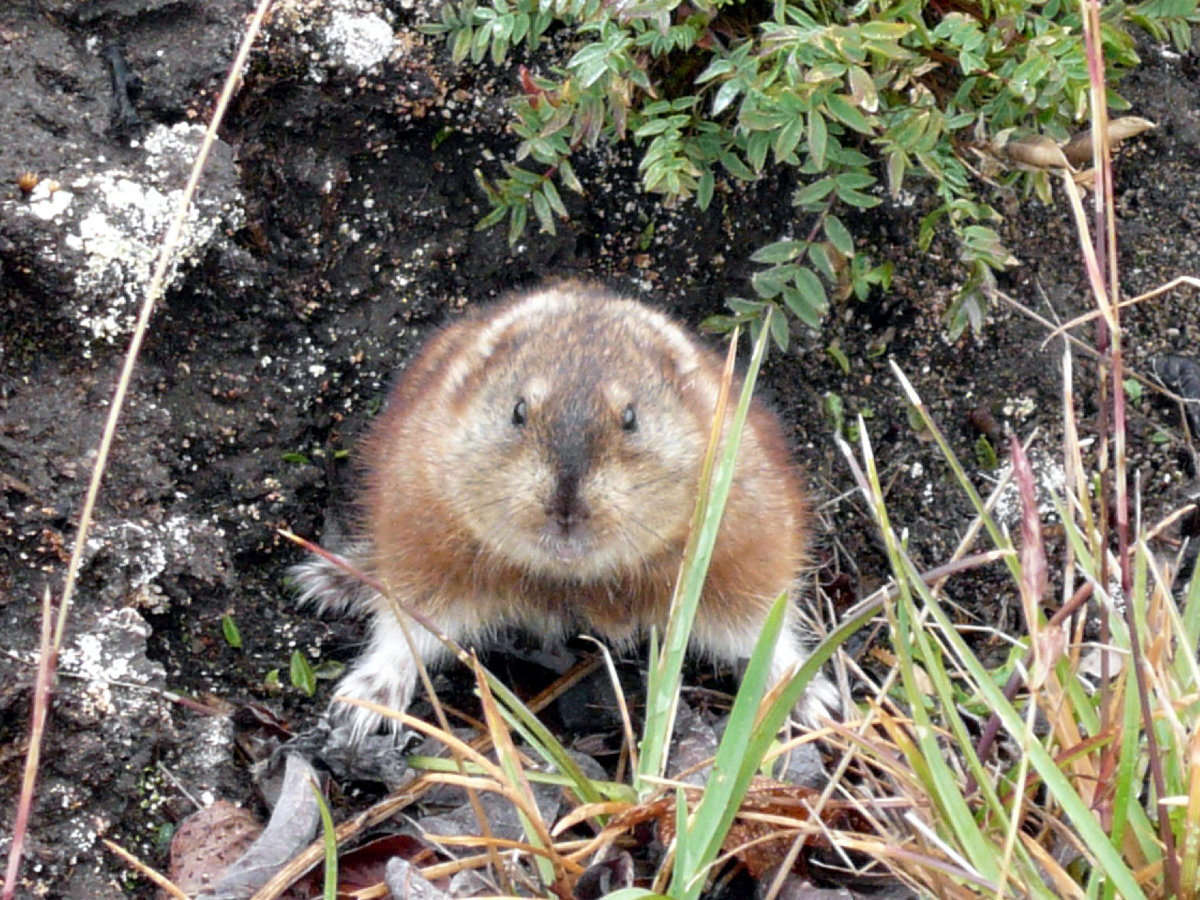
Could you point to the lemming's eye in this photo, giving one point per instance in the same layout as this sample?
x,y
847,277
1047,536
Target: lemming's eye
x,y
629,419
520,413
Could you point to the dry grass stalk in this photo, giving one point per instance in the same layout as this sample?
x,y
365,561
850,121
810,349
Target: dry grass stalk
x,y
116,407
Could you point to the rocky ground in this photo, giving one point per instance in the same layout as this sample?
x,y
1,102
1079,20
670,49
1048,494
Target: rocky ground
x,y
334,231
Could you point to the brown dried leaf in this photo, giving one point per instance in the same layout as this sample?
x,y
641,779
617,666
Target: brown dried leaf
x,y
366,866
1036,151
207,842
1051,644
766,798
294,823
1078,150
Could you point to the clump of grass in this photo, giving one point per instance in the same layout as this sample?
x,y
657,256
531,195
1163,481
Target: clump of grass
x,y
1097,790
1091,791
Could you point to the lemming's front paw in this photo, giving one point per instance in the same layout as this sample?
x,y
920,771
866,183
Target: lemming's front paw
x,y
384,685
819,701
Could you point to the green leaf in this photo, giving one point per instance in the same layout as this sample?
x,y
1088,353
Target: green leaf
x,y
329,840
553,198
857,198
494,217
704,191
770,283
814,192
461,46
570,180
819,256
541,208
811,288
838,355
750,308
736,167
985,454
778,252
854,180
1133,389
518,214
589,64
756,149
835,411
818,137
839,236
779,331
884,31
848,114
653,127
229,628
302,674
715,69
726,94
788,137
329,670
896,166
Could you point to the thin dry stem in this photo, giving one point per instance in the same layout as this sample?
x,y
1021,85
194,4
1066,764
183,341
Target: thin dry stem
x,y
1094,314
161,881
1106,246
41,705
153,293
622,706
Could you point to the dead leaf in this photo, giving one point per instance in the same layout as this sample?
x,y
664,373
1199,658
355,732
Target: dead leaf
x,y
1036,151
293,825
207,842
765,798
1078,150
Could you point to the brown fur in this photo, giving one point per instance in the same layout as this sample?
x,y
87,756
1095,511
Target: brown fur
x,y
506,485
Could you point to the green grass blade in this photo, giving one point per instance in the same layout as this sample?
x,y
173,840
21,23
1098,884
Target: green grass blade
x,y
522,720
330,840
664,680
741,750
1082,818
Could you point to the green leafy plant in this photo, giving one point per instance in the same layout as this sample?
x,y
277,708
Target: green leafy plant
x,y
855,100
1133,390
985,454
1102,757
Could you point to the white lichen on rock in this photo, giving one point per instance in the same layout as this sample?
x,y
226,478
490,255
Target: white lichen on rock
x,y
146,550
358,41
337,35
1050,481
122,223
113,654
100,226
48,200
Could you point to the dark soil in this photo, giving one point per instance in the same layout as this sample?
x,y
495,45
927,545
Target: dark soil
x,y
335,231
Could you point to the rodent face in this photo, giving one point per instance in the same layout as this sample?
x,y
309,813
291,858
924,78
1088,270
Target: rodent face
x,y
574,453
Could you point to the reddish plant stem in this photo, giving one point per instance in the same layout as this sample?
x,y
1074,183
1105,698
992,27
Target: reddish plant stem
x,y
1105,248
